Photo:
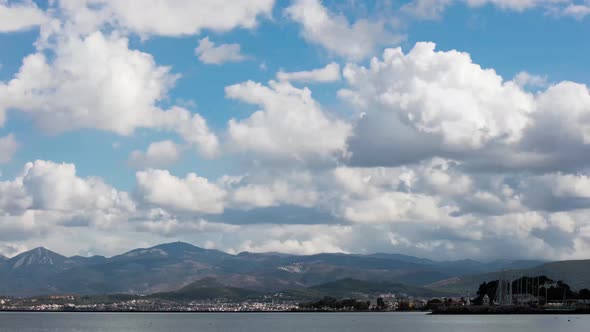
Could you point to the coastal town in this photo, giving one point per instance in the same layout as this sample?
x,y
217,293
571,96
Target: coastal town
x,y
74,303
505,295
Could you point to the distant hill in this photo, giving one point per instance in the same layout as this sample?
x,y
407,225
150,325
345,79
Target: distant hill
x,y
211,288
171,266
208,288
575,273
354,288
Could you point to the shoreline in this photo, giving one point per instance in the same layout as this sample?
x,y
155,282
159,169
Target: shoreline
x,y
459,311
507,310
212,312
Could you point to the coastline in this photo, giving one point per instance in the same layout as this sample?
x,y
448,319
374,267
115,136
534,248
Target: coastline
x,y
506,310
212,311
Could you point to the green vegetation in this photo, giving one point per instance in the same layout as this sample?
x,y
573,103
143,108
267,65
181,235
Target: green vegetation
x,y
574,273
330,303
353,288
556,290
207,289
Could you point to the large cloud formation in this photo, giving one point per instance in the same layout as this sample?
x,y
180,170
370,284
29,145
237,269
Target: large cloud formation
x,y
290,124
437,156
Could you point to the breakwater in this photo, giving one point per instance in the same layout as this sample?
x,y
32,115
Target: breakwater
x,y
505,310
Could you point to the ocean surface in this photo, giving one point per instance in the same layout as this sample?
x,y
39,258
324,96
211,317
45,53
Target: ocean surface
x,y
295,322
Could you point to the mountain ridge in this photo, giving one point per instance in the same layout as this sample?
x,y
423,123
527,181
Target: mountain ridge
x,y
170,266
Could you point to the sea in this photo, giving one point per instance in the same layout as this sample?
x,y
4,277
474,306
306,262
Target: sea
x,y
289,322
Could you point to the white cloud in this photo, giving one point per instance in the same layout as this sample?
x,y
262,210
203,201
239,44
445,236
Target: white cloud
x,y
191,194
578,11
10,250
395,207
57,187
435,100
290,124
8,147
98,82
329,73
158,154
429,123
564,109
312,246
568,185
267,190
161,222
20,16
94,82
294,239
14,198
400,194
192,127
336,34
426,9
433,9
516,5
168,18
209,53
524,79
49,194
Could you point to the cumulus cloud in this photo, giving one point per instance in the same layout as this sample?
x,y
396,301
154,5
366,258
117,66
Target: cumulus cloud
x,y
329,73
422,193
117,92
578,11
161,222
192,127
170,18
54,186
48,195
430,103
433,9
335,33
191,193
524,79
8,147
444,159
426,9
210,53
266,190
291,124
443,94
98,82
158,154
20,16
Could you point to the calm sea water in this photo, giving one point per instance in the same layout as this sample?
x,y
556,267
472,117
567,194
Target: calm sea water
x,y
296,322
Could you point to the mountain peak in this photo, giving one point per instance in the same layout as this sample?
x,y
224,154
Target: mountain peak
x,y
181,248
178,245
165,250
35,257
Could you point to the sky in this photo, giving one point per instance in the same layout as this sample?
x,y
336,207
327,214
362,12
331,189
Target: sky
x,y
445,129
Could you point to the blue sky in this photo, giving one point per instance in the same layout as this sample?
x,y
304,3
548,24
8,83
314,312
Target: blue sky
x,y
171,123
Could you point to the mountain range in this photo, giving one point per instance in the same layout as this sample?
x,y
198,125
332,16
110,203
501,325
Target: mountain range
x,y
174,266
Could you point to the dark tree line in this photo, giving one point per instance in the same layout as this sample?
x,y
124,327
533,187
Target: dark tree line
x,y
330,303
556,290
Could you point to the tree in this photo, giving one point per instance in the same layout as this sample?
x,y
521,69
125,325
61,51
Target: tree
x,y
433,304
584,294
381,303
